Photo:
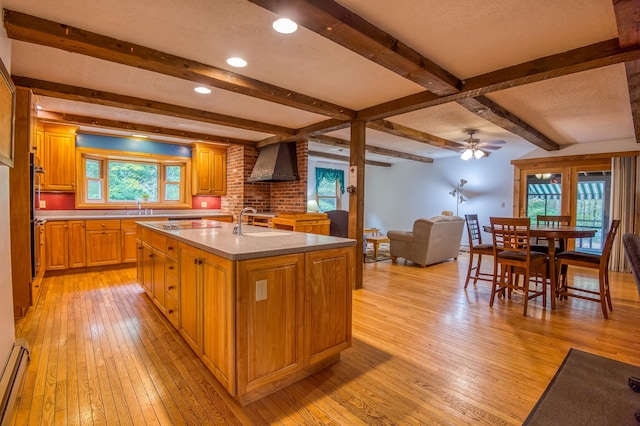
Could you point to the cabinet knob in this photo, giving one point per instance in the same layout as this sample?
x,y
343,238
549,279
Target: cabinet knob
x,y
170,267
170,248
102,225
199,261
195,261
171,287
170,311
139,247
151,255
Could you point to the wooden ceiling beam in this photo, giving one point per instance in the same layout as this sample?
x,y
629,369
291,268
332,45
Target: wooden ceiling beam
x,y
581,59
337,23
340,25
413,134
494,113
346,159
31,29
628,22
333,141
81,94
81,120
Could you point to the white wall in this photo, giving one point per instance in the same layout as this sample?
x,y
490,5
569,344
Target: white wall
x,y
7,335
395,197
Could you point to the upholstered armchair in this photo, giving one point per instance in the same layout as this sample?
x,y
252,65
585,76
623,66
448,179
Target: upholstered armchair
x,y
431,241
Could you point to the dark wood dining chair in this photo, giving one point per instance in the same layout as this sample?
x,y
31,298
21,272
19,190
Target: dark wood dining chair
x,y
540,244
589,260
476,249
512,257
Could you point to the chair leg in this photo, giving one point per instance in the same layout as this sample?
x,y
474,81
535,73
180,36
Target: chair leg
x,y
603,295
525,286
608,289
466,283
478,265
494,286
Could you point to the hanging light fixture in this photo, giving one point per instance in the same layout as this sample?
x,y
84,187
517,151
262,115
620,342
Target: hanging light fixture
x,y
467,154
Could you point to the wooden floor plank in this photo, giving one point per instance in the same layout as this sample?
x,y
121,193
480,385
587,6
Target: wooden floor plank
x,y
425,351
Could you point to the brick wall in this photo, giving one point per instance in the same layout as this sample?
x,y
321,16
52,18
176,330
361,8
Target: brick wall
x,y
292,196
263,196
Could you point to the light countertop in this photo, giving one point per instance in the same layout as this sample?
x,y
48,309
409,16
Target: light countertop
x,y
256,242
126,214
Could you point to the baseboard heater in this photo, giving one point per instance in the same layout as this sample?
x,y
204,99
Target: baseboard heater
x,y
11,380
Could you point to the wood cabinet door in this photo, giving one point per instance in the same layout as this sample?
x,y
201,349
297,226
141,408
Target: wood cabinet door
x,y
77,246
218,303
57,245
103,247
129,245
159,265
219,173
269,320
190,310
147,269
330,275
139,262
59,161
202,172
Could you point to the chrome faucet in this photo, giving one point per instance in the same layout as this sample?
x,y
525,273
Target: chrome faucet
x,y
238,228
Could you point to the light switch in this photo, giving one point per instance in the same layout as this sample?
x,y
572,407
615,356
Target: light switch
x,y
203,204
43,204
261,290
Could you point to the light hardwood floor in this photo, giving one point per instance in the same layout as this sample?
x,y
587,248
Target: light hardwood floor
x,y
425,351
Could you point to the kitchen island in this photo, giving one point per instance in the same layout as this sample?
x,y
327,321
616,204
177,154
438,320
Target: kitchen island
x,y
262,310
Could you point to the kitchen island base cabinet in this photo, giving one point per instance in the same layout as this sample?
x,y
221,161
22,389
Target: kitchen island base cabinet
x,y
206,310
261,324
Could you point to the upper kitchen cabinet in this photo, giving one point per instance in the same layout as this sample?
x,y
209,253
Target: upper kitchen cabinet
x,y
57,156
209,170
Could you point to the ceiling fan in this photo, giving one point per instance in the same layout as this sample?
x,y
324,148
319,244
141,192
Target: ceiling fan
x,y
475,149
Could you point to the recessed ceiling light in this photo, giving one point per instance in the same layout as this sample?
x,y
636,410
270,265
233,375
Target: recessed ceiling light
x,y
140,136
285,26
38,107
203,90
237,62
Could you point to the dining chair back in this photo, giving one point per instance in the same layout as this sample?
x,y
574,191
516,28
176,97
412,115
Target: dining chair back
x,y
513,257
593,261
540,243
476,250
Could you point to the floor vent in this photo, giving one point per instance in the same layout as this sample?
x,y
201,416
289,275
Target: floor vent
x,y
12,379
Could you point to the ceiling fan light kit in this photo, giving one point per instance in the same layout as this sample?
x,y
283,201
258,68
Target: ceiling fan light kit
x,y
472,147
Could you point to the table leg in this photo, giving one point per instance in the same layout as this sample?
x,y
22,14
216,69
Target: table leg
x,y
375,249
551,242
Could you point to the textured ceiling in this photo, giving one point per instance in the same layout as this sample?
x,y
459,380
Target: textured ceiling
x,y
467,38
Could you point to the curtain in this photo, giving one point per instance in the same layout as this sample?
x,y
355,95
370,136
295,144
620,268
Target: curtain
x,y
330,175
623,205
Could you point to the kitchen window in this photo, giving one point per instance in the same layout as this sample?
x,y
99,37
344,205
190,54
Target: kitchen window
x,y
120,181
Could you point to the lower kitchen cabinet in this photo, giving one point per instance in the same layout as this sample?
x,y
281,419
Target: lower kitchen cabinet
x,y
65,244
103,247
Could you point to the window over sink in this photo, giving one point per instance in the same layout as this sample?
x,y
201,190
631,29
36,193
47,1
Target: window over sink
x,y
123,180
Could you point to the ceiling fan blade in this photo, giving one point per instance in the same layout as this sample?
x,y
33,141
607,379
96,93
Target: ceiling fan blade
x,y
491,147
498,142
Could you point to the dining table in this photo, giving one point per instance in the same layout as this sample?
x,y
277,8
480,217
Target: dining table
x,y
552,234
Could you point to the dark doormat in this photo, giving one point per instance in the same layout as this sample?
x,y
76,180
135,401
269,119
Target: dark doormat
x,y
588,390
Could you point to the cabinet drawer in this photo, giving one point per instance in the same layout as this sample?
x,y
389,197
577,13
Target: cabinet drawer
x,y
97,225
159,242
171,304
172,289
171,247
172,269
